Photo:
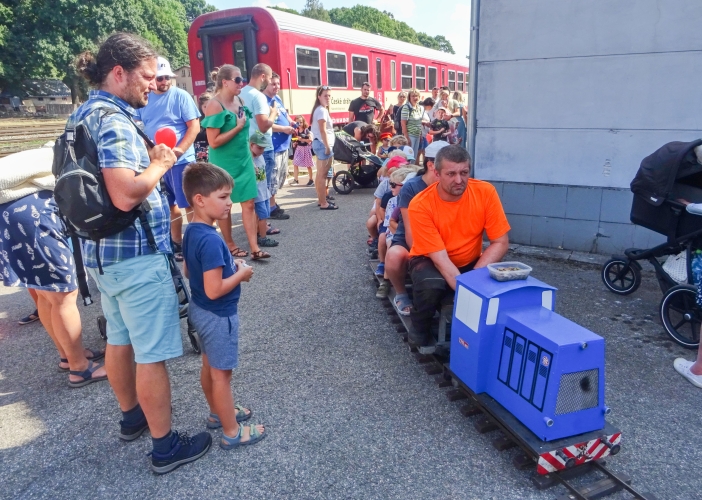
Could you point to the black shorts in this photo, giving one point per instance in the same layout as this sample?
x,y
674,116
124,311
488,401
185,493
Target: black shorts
x,y
399,241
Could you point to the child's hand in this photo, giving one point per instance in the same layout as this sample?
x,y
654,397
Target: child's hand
x,y
244,270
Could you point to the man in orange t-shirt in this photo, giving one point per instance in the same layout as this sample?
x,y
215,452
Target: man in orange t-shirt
x,y
448,220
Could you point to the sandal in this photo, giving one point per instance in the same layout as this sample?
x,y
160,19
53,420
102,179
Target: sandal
x,y
331,206
86,375
403,304
178,251
227,443
261,254
31,318
94,356
272,230
239,253
241,416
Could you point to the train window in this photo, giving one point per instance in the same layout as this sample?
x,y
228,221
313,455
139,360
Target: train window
x,y
336,69
308,71
420,77
378,73
432,78
240,58
467,80
393,75
460,81
406,76
359,71
452,81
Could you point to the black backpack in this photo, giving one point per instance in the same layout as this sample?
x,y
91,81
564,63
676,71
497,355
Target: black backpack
x,y
397,118
82,197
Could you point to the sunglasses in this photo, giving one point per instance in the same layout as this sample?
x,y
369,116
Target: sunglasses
x,y
238,80
163,78
395,184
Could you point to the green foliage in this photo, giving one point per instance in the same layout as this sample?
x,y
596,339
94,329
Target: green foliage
x,y
195,8
315,10
283,9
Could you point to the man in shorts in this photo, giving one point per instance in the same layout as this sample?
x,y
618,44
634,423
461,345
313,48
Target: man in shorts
x,y
448,220
282,136
172,107
131,268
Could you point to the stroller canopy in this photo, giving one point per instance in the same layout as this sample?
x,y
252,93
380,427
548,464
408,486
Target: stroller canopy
x,y
659,171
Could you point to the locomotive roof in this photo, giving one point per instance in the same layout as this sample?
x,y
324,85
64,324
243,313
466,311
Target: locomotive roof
x,y
306,26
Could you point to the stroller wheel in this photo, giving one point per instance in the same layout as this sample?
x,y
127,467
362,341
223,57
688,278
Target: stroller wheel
x,y
102,326
194,338
343,182
681,316
620,276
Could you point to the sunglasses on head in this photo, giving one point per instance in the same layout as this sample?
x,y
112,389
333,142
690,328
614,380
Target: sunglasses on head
x,y
395,184
323,88
162,78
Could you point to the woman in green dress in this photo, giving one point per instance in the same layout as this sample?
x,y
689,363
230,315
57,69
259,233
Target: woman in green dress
x,y
227,124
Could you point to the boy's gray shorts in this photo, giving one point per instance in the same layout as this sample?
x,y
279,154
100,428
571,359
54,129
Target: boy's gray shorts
x,y
219,336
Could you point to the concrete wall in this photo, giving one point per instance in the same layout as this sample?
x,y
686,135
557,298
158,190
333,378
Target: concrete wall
x,y
572,95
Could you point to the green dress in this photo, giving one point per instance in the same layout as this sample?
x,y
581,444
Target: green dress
x,y
234,156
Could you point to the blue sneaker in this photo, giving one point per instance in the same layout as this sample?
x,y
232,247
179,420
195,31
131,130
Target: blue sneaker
x,y
380,271
185,449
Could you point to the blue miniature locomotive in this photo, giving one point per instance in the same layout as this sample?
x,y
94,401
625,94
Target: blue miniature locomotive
x,y
507,341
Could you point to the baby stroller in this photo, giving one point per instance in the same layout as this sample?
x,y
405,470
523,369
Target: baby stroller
x,y
363,165
670,174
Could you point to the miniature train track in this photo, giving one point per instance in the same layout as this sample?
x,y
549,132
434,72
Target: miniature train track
x,y
13,140
491,416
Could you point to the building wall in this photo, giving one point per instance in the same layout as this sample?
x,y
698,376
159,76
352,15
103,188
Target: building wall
x,y
183,79
571,97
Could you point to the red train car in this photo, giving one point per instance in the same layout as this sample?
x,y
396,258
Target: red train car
x,y
307,53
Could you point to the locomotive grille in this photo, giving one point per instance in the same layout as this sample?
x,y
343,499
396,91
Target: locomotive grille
x,y
578,391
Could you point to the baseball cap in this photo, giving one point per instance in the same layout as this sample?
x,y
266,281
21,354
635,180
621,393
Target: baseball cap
x,y
260,139
433,148
163,67
444,109
386,135
409,152
395,162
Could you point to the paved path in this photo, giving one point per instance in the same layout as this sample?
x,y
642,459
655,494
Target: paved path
x,y
350,413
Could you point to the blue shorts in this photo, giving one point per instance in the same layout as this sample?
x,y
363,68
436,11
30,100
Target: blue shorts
x,y
263,209
382,229
219,336
318,148
141,307
174,186
422,144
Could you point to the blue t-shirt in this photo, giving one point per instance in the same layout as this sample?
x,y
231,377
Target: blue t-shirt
x,y
409,190
257,103
170,109
204,250
281,141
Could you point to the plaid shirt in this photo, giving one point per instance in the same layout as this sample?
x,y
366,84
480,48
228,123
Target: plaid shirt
x,y
119,146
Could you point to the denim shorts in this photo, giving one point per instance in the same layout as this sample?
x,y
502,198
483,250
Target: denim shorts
x,y
141,307
174,186
318,148
262,209
219,336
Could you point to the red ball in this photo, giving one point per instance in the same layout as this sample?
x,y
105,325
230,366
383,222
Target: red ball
x,y
167,136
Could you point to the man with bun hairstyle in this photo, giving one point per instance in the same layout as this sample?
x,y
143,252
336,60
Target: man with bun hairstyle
x,y
138,296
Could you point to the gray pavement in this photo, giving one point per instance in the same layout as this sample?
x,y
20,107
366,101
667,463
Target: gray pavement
x,y
349,411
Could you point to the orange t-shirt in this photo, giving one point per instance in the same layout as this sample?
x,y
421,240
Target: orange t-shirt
x,y
456,227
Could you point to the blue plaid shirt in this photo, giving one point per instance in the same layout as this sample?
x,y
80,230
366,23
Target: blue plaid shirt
x,y
120,146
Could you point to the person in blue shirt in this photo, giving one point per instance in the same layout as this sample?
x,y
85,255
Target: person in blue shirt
x,y
215,282
172,107
282,136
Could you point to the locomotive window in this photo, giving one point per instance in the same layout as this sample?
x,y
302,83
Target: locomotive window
x,y
393,75
420,77
432,77
452,81
240,58
308,72
460,82
378,74
359,70
336,69
406,76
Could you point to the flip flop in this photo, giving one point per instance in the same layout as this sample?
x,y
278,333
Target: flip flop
x,y
86,375
94,356
227,443
331,206
241,416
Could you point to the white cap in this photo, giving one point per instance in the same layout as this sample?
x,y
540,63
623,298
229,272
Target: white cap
x,y
163,67
433,148
409,152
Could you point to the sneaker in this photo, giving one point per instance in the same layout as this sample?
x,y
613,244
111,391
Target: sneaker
x,y
383,290
185,449
267,242
380,270
310,183
31,318
294,182
373,253
134,431
279,214
682,366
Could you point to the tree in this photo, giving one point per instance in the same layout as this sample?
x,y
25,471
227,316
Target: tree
x,y
444,44
195,8
315,10
283,9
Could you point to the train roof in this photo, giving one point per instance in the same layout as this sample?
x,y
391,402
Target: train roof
x,y
304,25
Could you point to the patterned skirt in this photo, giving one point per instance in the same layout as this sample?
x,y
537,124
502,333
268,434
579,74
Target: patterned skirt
x,y
34,251
303,157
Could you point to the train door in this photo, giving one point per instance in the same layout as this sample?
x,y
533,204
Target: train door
x,y
233,42
230,49
378,83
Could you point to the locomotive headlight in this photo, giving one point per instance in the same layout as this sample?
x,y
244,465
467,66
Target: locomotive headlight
x,y
264,48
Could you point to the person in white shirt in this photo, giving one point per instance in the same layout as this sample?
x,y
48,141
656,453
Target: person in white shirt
x,y
323,143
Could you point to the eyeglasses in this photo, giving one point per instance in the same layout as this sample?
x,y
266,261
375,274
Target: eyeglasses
x,y
395,184
162,78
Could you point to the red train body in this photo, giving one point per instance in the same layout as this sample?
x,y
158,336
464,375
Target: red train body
x,y
307,53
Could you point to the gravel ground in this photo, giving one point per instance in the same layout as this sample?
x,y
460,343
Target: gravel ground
x,y
349,411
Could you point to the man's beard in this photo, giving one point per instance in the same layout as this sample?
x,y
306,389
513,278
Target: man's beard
x,y
134,96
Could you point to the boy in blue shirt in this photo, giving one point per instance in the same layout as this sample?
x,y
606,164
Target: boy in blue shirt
x,y
215,283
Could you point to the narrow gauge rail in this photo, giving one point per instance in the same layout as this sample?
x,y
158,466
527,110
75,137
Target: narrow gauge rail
x,y
493,417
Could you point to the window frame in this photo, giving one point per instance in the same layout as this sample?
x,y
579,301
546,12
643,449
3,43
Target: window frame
x,y
346,69
402,76
359,72
297,74
454,80
393,74
443,77
417,77
436,77
378,73
459,81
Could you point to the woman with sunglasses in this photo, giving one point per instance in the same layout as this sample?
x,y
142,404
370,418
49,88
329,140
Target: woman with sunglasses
x,y
323,133
227,123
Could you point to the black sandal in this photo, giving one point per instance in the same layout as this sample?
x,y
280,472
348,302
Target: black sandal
x,y
94,356
86,375
331,206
